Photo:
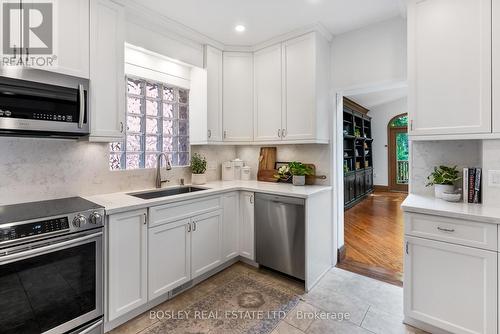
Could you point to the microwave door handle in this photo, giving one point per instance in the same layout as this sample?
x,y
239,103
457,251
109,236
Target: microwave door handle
x,y
81,94
45,249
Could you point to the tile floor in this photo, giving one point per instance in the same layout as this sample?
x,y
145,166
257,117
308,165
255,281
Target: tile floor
x,y
372,306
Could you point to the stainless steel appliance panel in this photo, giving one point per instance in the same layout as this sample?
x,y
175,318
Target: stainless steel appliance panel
x,y
280,233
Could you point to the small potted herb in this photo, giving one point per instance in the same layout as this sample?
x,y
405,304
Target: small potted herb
x,y
299,171
198,169
443,179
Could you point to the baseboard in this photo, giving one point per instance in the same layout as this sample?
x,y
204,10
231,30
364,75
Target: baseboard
x,y
341,254
423,326
381,188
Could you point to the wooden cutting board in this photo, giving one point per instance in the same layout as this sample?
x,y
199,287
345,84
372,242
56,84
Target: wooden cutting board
x,y
267,162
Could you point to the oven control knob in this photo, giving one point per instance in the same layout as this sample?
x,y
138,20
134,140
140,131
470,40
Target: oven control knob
x,y
95,218
79,221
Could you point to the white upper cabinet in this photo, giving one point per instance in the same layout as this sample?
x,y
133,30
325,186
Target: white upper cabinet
x,y
107,74
213,65
237,97
72,34
307,101
449,66
268,94
496,65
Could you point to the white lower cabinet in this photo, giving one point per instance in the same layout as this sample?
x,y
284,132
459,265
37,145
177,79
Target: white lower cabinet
x,y
169,257
246,230
127,262
206,243
451,287
230,226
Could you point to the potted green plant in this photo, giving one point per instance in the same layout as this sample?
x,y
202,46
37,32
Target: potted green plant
x,y
443,179
198,169
299,171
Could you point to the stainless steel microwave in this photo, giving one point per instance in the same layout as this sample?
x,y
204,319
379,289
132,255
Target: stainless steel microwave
x,y
43,104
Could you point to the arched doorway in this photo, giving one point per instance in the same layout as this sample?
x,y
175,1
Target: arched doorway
x,y
397,131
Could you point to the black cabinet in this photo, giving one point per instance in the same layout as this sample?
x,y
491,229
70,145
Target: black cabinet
x,y
358,153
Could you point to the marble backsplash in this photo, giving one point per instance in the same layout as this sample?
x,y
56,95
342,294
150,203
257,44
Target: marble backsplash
x,y
38,169
307,153
426,155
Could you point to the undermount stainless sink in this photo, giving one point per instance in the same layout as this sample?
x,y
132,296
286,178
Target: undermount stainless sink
x,y
165,192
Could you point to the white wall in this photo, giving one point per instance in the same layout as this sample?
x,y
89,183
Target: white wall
x,y
371,55
381,115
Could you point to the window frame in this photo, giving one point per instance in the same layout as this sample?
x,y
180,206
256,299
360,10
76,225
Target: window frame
x,y
161,118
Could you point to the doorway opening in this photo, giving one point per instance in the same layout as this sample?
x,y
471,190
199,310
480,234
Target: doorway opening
x,y
399,171
371,230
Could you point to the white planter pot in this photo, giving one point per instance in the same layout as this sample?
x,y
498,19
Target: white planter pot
x,y
198,178
439,189
298,180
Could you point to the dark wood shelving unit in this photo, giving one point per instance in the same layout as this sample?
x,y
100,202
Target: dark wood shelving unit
x,y
358,155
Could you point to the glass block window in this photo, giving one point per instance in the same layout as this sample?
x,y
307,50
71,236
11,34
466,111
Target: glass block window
x,y
157,121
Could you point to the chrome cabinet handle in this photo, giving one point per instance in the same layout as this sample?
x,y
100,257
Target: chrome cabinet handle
x,y
189,227
279,133
145,217
81,93
121,127
194,226
283,133
251,199
449,230
225,133
209,133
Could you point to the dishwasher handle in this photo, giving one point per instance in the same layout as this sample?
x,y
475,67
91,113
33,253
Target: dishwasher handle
x,y
279,199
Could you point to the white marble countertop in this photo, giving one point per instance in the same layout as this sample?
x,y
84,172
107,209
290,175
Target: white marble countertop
x,y
121,202
460,210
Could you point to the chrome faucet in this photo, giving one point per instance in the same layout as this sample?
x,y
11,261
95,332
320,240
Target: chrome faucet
x,y
158,165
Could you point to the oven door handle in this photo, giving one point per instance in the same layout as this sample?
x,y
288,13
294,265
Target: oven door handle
x,y
22,255
81,93
91,328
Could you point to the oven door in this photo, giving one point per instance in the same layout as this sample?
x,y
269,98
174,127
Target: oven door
x,y
51,286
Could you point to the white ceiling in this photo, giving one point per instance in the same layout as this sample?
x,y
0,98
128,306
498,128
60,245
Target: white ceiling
x,y
376,98
265,19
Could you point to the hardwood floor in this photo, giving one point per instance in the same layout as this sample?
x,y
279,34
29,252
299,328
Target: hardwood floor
x,y
373,235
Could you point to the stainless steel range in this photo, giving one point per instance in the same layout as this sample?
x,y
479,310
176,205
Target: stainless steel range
x,y
51,267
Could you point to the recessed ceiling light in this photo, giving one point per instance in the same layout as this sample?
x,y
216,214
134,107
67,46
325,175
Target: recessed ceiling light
x,y
240,28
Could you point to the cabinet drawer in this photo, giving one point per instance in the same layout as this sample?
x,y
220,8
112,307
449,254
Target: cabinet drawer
x,y
171,212
457,231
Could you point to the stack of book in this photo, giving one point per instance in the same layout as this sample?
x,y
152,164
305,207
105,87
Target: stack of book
x,y
472,185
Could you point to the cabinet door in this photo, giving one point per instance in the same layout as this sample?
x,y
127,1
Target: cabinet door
x,y
230,226
127,262
268,94
368,180
360,183
71,37
107,77
496,66
451,287
206,243
169,257
213,65
449,66
300,73
237,107
247,246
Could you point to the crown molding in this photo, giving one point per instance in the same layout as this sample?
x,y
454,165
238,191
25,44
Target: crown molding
x,y
140,15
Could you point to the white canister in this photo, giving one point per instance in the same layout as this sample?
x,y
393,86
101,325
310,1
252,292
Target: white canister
x,y
245,173
227,171
237,165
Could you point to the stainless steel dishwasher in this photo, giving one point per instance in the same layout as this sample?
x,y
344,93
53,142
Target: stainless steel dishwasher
x,y
280,233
